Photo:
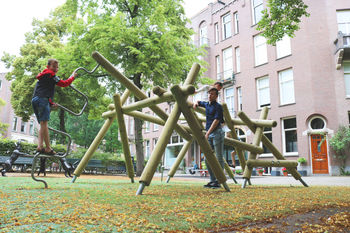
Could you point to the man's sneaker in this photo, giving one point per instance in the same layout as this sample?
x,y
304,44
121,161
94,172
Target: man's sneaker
x,y
209,185
215,185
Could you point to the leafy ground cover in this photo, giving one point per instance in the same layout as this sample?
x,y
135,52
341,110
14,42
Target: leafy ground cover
x,y
110,205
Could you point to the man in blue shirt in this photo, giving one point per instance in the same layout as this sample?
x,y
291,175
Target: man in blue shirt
x,y
215,135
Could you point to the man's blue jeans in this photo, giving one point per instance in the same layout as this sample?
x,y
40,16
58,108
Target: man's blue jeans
x,y
216,141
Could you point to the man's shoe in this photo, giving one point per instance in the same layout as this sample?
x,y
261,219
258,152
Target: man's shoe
x,y
215,185
209,185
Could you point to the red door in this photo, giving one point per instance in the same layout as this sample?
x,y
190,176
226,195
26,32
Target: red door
x,y
319,154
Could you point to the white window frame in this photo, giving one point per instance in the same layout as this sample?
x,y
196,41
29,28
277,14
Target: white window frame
x,y
284,136
14,124
283,47
226,26
238,59
218,67
132,125
23,126
227,62
230,100
155,126
217,33
0,84
31,127
255,8
260,88
147,125
239,99
260,50
236,23
147,149
343,21
286,79
346,66
261,145
203,35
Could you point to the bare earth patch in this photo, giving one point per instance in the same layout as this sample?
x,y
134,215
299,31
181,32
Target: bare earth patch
x,y
335,219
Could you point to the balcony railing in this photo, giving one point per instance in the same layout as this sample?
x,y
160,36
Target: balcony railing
x,y
342,48
226,77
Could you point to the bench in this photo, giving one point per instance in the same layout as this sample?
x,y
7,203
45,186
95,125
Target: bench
x,y
95,165
21,162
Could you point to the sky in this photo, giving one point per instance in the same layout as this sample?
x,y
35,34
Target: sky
x,y
16,19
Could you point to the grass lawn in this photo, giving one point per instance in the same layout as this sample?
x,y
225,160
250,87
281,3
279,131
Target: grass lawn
x,y
110,205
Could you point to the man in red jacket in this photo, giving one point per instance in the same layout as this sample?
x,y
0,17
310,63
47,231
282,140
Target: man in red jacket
x,y
43,99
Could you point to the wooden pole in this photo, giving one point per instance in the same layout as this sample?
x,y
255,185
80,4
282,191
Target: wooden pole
x,y
230,125
256,142
243,145
124,137
178,160
229,171
199,136
271,163
138,93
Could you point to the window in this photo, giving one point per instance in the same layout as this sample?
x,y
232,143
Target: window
x,y
268,134
317,123
0,83
217,59
239,99
228,64
14,124
148,125
216,28
130,148
347,78
23,126
286,87
238,61
257,8
229,100
263,90
148,149
155,140
343,18
155,126
203,35
131,126
175,138
283,47
260,50
349,117
226,26
31,127
290,139
235,18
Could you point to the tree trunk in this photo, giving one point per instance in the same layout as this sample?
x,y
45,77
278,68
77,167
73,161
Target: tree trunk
x,y
138,134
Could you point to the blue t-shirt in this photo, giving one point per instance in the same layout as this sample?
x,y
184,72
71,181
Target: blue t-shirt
x,y
213,111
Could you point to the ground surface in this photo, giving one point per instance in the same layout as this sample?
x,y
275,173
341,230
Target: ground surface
x,y
109,204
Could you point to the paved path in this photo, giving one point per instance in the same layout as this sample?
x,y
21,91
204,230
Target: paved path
x,y
275,180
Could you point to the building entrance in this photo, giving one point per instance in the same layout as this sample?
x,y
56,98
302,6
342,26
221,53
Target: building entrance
x,y
319,154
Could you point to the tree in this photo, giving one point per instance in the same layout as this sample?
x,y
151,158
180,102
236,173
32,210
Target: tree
x,y
340,143
148,40
3,126
281,17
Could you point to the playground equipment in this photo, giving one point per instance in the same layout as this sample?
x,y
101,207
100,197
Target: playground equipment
x,y
194,130
61,156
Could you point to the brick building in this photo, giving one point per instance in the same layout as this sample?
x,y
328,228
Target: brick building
x,y
17,129
305,80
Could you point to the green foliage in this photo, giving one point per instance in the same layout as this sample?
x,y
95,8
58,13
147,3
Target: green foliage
x,y
3,126
281,17
340,144
302,160
7,146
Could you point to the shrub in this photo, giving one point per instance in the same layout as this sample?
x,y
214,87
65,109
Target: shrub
x,y
302,160
340,144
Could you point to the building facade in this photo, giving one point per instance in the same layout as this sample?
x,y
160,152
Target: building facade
x,y
304,80
17,129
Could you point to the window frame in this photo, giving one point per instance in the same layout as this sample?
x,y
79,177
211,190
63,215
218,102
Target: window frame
x,y
262,145
238,59
235,23
23,127
259,47
147,148
31,127
225,62
239,99
147,125
347,23
280,84
218,67
226,25
254,8
285,153
260,88
216,33
14,124
346,69
230,99
280,44
203,37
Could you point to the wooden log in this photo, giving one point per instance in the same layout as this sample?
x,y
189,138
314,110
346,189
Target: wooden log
x,y
256,142
229,171
124,137
243,145
278,155
159,91
231,126
271,163
138,93
199,136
